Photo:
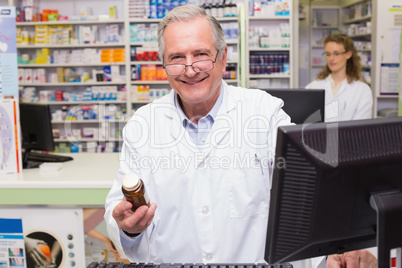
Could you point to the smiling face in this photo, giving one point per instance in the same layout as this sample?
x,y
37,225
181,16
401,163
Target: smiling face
x,y
337,64
185,43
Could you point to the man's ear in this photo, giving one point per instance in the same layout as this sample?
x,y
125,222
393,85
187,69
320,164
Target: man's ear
x,y
224,59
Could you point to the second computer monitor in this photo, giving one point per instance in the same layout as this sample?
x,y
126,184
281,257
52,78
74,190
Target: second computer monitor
x,y
336,187
302,105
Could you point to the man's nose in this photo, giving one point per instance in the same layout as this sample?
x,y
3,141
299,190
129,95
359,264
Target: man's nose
x,y
189,71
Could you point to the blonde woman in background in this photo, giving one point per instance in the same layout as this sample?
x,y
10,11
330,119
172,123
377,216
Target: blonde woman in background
x,y
346,96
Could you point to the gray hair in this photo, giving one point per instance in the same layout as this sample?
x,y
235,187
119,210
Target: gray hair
x,y
188,13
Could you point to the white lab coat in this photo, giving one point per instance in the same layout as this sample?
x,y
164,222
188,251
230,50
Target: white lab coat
x,y
213,204
353,101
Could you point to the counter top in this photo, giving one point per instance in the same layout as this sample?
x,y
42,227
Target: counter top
x,y
85,180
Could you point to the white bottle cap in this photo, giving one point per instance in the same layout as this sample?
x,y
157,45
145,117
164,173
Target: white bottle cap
x,y
130,182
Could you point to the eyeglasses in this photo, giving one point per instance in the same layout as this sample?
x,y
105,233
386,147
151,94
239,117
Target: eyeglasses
x,y
336,54
200,66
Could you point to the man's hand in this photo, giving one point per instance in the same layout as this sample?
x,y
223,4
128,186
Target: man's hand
x,y
353,259
133,222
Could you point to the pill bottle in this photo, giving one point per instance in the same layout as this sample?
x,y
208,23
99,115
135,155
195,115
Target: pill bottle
x,y
134,191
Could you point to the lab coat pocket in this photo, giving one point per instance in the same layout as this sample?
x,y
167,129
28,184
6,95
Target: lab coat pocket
x,y
248,193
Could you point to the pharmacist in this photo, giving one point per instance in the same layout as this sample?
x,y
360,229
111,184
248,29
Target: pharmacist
x,y
204,154
346,96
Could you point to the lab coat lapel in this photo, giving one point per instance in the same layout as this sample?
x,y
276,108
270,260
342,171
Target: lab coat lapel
x,y
223,123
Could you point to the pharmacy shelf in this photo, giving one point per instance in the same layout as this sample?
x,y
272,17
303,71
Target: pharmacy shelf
x,y
72,84
79,87
355,9
84,102
264,76
250,46
154,43
324,20
34,46
354,3
269,18
139,82
146,62
232,81
222,19
231,41
93,121
139,102
73,139
357,20
268,49
144,43
361,36
57,65
67,22
324,27
395,96
139,20
124,27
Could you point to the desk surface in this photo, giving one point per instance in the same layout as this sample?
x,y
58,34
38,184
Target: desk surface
x,y
85,180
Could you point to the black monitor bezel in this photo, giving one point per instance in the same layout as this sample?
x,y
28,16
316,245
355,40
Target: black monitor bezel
x,y
35,119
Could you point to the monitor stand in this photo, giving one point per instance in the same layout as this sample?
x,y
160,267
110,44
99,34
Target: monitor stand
x,y
28,164
389,226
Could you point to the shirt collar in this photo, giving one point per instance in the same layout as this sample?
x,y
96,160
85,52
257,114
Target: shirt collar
x,y
212,113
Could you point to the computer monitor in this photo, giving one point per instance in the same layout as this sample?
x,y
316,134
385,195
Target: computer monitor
x,y
336,187
302,105
36,127
37,134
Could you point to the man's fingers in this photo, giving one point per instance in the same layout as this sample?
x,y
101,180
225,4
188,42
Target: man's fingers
x,y
361,259
151,213
140,220
352,259
334,261
120,209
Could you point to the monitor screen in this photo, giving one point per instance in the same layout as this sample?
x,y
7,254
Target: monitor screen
x,y
36,127
302,105
325,176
